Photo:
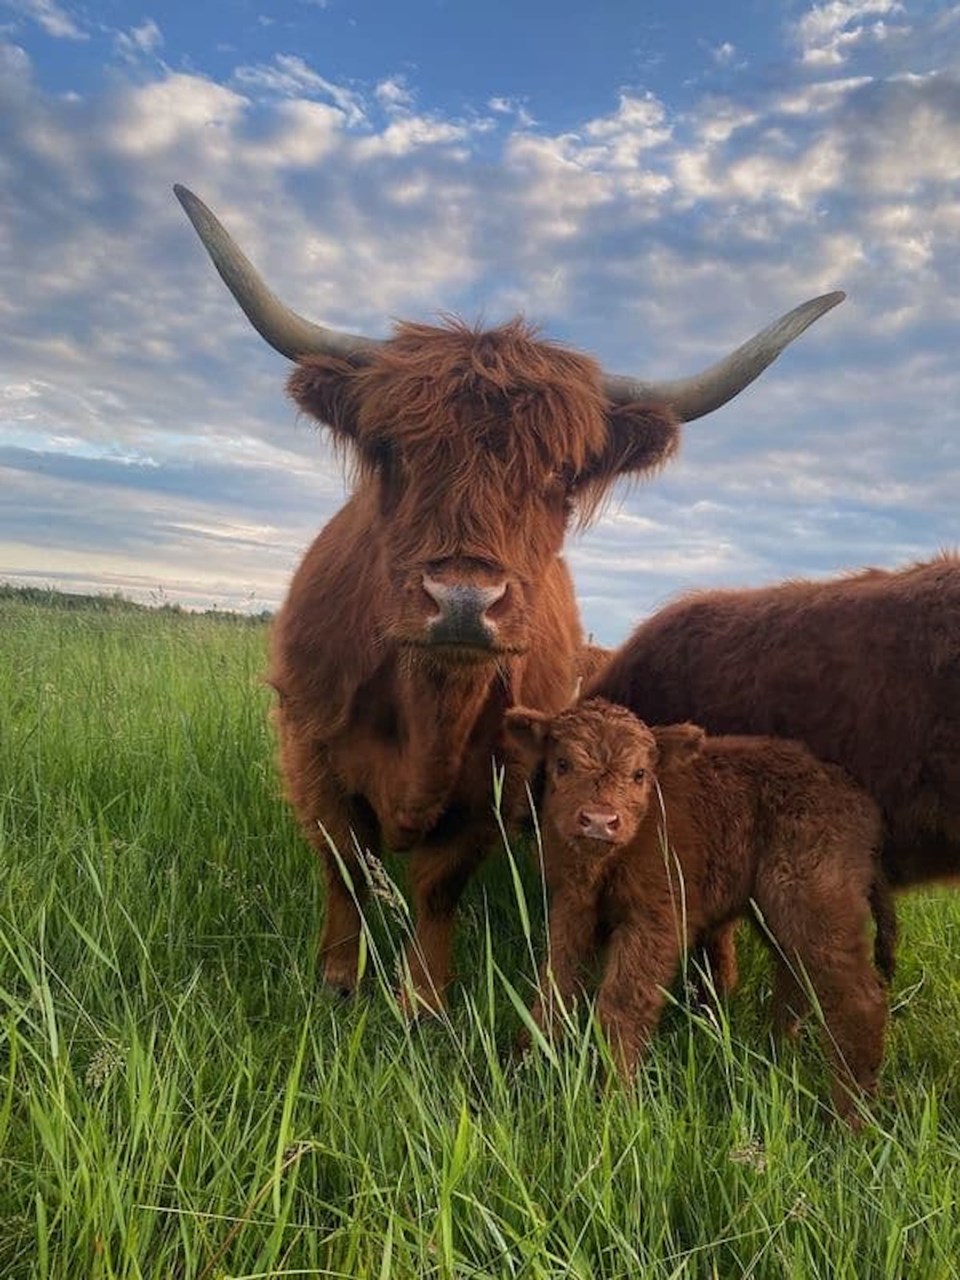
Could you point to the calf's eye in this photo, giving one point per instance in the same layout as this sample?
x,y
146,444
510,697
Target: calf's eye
x,y
639,775
561,766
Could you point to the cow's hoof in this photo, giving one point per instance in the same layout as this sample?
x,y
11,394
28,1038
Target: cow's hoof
x,y
338,987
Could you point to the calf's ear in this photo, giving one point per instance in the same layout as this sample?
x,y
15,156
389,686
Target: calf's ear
x,y
678,744
527,729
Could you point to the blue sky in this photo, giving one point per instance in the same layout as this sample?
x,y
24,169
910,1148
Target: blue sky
x,y
652,183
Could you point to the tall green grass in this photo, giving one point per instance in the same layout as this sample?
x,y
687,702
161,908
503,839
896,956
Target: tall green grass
x,y
178,1098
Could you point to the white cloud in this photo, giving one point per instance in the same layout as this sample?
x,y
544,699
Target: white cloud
x,y
408,134
827,33
159,116
291,77
510,107
138,41
638,124
19,391
819,97
394,94
303,134
724,54
54,19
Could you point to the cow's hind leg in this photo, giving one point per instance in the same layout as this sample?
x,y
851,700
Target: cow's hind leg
x,y
887,930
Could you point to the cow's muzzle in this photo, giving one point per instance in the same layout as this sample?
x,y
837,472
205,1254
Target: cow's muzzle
x,y
599,823
467,613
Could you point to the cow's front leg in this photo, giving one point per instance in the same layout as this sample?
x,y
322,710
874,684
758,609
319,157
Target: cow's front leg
x,y
437,878
335,825
342,829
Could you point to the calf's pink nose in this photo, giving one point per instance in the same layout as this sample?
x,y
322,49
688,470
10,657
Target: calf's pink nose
x,y
599,824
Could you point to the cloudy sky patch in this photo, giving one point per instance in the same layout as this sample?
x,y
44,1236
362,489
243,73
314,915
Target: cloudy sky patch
x,y
650,188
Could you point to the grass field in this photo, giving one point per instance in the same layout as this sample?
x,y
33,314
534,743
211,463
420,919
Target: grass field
x,y
179,1099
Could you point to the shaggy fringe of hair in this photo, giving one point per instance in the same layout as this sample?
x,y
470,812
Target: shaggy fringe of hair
x,y
527,408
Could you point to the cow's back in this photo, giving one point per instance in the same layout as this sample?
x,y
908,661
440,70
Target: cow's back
x,y
865,670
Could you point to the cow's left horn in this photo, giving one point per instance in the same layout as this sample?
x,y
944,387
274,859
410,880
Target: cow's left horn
x,y
693,397
285,331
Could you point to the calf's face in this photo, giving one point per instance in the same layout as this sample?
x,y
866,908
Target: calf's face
x,y
600,769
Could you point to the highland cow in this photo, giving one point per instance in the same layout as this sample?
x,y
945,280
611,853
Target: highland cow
x,y
652,838
436,598
864,669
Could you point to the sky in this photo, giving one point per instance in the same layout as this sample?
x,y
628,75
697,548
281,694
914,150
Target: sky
x,y
650,182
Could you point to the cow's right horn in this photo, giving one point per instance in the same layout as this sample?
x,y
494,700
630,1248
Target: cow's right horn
x,y
693,397
285,331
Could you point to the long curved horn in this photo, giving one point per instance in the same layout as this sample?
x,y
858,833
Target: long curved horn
x,y
693,397
285,331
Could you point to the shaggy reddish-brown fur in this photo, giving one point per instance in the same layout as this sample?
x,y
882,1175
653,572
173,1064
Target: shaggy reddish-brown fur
x,y
590,661
865,669
472,452
654,837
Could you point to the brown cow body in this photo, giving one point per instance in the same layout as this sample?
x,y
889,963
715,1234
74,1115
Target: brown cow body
x,y
864,669
383,733
653,838
436,599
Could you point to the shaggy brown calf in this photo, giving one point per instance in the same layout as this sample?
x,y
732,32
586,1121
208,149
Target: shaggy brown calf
x,y
864,669
437,597
653,838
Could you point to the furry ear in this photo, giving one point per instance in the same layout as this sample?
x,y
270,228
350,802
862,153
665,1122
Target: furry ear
x,y
639,438
527,729
678,744
322,387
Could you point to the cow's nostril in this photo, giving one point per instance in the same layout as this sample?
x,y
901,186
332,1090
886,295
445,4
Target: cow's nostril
x,y
434,597
499,604
438,592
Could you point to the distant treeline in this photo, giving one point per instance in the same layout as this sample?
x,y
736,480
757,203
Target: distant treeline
x,y
117,603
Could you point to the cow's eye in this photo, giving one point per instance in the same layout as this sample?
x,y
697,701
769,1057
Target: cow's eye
x,y
561,766
639,775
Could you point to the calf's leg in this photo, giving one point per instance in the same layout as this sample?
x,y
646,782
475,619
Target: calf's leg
x,y
791,1001
571,943
642,960
717,952
822,933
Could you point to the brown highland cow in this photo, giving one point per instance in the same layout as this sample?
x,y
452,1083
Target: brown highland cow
x,y
436,598
864,669
652,838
